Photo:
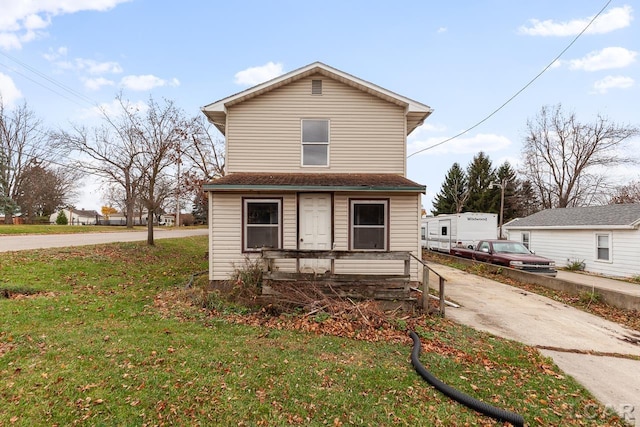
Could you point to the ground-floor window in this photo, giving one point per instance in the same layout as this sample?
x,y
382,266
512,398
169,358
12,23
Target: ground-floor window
x,y
369,224
262,224
603,247
526,239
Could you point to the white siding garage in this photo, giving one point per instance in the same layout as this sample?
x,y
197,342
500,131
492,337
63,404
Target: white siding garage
x,y
605,238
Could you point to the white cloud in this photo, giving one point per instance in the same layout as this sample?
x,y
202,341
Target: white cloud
x,y
256,75
96,68
98,83
8,90
607,58
89,66
613,82
23,21
422,131
54,55
441,30
616,18
146,82
9,41
36,22
460,145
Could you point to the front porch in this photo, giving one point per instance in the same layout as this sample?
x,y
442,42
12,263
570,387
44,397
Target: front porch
x,y
388,287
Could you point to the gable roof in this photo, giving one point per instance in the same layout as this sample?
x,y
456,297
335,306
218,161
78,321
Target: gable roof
x,y
85,213
608,216
416,112
251,181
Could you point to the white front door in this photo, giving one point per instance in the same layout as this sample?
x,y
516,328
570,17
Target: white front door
x,y
314,229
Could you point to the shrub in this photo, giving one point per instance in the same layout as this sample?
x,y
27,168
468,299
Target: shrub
x,y
589,297
575,265
61,219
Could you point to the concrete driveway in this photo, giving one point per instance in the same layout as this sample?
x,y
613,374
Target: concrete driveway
x,y
562,333
39,241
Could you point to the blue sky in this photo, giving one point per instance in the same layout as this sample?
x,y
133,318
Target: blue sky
x,y
462,58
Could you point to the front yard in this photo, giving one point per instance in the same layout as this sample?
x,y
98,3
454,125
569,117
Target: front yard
x,y
106,335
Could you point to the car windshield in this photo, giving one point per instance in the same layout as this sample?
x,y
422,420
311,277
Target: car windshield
x,y
510,248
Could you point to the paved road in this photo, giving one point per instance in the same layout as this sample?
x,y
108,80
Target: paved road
x,y
39,241
562,332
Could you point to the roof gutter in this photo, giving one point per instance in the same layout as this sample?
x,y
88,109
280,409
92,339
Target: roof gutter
x,y
572,227
313,188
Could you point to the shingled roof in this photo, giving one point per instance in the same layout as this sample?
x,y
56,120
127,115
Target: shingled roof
x,y
246,181
608,216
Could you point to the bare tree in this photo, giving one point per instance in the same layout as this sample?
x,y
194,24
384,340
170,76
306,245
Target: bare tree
x,y
203,155
22,139
566,161
629,193
204,152
109,151
160,132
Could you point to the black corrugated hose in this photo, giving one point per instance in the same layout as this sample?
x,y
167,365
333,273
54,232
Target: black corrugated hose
x,y
475,404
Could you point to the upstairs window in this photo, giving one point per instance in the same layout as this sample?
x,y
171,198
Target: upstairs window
x,y
315,142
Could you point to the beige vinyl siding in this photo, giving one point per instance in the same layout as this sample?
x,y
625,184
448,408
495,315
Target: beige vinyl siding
x,y
367,134
225,231
404,233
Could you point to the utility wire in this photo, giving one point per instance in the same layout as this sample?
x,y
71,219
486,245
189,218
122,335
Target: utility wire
x,y
51,80
504,104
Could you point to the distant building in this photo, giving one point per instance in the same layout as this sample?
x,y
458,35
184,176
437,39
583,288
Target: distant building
x,y
77,216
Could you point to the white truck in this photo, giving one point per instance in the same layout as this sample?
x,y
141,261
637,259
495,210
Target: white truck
x,y
443,232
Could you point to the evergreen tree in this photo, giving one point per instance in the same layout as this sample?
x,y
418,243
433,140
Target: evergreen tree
x,y
453,193
62,219
479,175
200,210
526,201
506,176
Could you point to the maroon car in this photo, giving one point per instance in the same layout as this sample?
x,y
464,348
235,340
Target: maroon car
x,y
510,254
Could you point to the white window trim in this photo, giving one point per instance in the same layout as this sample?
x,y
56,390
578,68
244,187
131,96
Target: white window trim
x,y
528,234
246,225
610,241
352,226
328,143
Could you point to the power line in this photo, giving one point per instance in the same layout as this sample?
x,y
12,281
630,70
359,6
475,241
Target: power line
x,y
38,83
504,104
51,80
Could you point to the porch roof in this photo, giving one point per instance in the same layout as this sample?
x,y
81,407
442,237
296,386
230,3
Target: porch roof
x,y
251,181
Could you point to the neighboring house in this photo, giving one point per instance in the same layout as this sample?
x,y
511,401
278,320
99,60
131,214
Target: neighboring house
x,y
315,159
77,216
139,218
167,219
605,238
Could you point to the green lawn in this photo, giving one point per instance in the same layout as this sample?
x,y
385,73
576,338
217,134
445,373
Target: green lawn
x,y
61,229
88,336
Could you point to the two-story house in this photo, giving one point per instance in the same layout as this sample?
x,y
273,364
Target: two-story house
x,y
315,159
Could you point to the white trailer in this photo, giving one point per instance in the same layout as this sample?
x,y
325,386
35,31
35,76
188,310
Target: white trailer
x,y
442,232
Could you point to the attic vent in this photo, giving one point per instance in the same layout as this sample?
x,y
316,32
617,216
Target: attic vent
x,y
316,87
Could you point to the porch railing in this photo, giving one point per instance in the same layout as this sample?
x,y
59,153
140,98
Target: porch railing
x,y
426,286
270,255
